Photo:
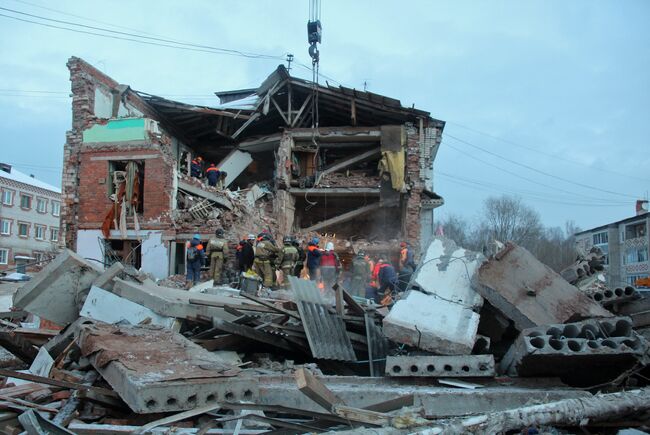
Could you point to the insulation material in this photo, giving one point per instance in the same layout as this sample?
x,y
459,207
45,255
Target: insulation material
x,y
393,162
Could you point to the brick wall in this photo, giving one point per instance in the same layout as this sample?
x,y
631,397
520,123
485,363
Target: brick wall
x,y
412,218
84,201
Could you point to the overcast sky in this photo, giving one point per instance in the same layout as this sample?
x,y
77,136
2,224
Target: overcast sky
x,y
549,100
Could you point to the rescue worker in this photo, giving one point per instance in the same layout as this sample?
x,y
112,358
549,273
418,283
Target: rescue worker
x,y
217,252
360,274
302,255
287,258
213,175
406,258
371,290
387,278
265,253
248,253
196,168
329,266
313,259
195,256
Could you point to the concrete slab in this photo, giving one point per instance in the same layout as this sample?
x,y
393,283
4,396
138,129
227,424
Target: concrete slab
x,y
105,280
110,308
431,323
605,345
157,370
437,402
530,293
440,366
447,271
56,292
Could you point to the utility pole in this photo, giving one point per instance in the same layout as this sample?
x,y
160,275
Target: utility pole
x,y
289,60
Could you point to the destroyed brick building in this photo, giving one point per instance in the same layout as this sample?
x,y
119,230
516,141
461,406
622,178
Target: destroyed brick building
x,y
365,173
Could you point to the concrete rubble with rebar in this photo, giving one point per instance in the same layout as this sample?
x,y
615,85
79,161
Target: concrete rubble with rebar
x,y
167,352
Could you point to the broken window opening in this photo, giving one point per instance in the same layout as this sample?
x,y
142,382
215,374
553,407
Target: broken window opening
x,y
126,181
127,252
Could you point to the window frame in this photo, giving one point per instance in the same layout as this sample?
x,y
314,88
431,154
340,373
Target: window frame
x,y
43,229
2,222
31,200
58,208
28,225
12,195
6,253
597,238
40,199
52,230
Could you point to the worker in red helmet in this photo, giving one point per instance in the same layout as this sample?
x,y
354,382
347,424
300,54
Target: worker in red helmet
x,y
213,174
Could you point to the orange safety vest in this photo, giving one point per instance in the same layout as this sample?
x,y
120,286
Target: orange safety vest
x,y
212,168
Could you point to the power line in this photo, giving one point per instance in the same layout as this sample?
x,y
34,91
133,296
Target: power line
x,y
530,180
539,196
545,153
586,186
162,42
479,186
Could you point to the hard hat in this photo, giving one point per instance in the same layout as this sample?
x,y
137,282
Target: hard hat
x,y
219,232
251,237
329,246
287,240
315,240
403,244
197,237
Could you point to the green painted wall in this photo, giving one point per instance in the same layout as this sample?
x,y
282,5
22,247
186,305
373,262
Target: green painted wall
x,y
117,130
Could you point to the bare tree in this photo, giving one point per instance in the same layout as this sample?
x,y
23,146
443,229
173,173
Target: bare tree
x,y
507,218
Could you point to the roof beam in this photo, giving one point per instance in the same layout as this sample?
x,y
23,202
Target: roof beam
x,y
342,164
345,217
336,191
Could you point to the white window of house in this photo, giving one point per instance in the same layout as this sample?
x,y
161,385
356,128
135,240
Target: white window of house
x,y
56,208
4,256
23,229
7,197
634,231
635,255
600,238
25,201
54,234
41,205
5,227
39,232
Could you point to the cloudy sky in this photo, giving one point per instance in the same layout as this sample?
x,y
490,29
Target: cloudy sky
x,y
549,100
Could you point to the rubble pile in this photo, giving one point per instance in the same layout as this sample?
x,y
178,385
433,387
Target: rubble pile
x,y
475,345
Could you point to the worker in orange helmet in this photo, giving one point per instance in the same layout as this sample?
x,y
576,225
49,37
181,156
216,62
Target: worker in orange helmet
x,y
213,175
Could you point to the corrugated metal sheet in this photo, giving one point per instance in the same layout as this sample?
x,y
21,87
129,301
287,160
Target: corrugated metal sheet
x,y
325,331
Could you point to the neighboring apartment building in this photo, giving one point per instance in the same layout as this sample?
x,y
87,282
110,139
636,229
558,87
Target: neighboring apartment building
x,y
625,243
29,218
129,150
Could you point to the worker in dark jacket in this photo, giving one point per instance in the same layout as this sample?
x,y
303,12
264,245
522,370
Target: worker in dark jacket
x,y
213,175
195,259
329,266
360,274
313,259
302,256
196,167
246,253
387,278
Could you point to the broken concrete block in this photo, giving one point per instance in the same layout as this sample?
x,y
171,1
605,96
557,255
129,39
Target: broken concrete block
x,y
42,364
105,280
529,293
234,164
110,308
447,270
56,291
157,370
440,366
602,345
431,323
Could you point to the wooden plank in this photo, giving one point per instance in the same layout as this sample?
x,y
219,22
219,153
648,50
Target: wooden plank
x,y
26,403
182,185
271,306
351,161
110,429
18,346
56,383
19,314
362,415
336,191
260,309
219,342
22,390
352,304
302,109
245,125
251,333
316,390
177,417
344,217
277,106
